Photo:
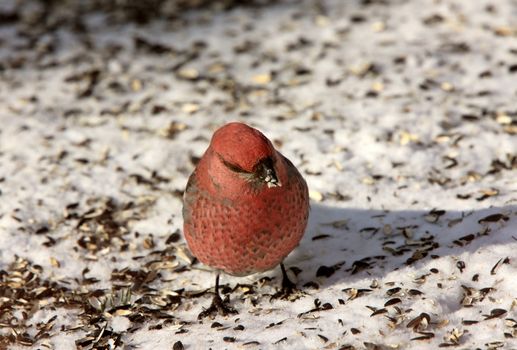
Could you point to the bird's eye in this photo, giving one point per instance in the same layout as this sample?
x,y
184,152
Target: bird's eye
x,y
233,167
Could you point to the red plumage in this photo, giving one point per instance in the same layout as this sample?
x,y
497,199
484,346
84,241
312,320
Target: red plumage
x,y
245,206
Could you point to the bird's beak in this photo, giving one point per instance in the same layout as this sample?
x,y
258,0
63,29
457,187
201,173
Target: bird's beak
x,y
271,179
265,171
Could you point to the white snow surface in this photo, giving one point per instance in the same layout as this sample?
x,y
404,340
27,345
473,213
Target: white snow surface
x,y
401,115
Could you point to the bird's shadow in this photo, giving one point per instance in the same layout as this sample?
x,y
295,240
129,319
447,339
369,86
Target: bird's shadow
x,y
348,244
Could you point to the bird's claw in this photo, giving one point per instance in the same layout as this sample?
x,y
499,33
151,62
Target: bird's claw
x,y
288,291
218,306
287,294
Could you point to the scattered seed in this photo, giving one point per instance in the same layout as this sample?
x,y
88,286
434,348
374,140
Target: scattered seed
x,y
421,320
469,322
392,302
424,336
493,218
280,340
379,312
322,337
414,292
494,269
178,346
355,331
253,342
495,313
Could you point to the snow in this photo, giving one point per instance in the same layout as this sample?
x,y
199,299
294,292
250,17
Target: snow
x,y
403,124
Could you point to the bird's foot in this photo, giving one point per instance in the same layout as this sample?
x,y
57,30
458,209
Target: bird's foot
x,y
288,290
290,293
218,306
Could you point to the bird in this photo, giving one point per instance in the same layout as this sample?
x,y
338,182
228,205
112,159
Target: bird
x,y
245,208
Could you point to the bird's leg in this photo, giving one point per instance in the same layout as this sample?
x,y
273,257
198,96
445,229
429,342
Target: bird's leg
x,y
218,305
288,287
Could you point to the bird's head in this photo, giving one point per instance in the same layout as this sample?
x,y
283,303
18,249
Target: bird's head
x,y
245,151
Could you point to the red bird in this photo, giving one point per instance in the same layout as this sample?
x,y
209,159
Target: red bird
x,y
245,207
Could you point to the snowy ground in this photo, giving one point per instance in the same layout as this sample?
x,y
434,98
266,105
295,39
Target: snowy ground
x,y
401,115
